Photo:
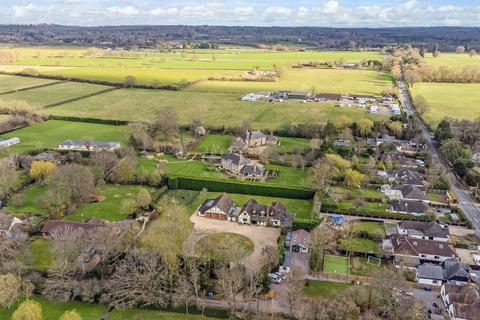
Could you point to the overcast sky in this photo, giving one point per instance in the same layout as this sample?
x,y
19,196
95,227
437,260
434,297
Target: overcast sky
x,y
328,13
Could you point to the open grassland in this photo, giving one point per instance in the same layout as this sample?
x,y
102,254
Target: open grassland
x,y
320,80
143,75
10,83
188,59
50,133
324,289
453,60
40,97
214,109
455,100
54,310
110,207
301,208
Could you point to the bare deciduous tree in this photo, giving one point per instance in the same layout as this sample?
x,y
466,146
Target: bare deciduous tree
x,y
230,282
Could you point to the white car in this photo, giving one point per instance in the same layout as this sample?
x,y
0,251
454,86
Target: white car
x,y
274,278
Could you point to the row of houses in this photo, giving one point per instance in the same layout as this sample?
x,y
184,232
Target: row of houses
x,y
252,212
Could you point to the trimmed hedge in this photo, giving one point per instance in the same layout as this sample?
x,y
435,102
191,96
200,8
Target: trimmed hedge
x,y
90,120
239,187
307,225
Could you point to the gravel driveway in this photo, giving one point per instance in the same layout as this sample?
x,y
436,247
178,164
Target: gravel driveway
x,y
260,236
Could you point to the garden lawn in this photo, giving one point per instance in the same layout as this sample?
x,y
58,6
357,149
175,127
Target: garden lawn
x,y
302,208
10,83
40,97
320,80
48,134
288,144
324,289
335,264
216,109
214,143
110,208
219,246
53,311
455,100
361,245
361,267
38,255
370,227
29,204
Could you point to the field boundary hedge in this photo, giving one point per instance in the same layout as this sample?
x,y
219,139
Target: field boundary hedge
x,y
32,87
79,98
89,120
188,183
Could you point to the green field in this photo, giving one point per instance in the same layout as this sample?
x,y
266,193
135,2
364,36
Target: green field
x,y
53,311
214,143
453,60
335,264
324,289
455,100
219,246
143,75
301,208
288,144
29,204
110,208
213,109
10,83
41,97
50,133
361,245
321,80
188,59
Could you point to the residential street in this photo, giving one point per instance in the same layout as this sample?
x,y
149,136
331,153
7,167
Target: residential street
x,y
466,202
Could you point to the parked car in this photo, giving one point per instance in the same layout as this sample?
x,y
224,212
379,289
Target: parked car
x,y
280,275
274,278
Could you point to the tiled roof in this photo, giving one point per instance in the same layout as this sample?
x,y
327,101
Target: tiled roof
x,y
429,229
415,247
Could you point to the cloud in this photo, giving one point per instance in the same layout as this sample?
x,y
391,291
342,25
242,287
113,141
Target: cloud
x,y
410,4
23,10
278,11
163,11
244,11
331,7
303,12
126,11
449,8
73,1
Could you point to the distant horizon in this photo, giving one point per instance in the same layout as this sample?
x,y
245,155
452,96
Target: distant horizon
x,y
281,13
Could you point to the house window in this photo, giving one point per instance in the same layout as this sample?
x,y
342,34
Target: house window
x,y
435,281
423,256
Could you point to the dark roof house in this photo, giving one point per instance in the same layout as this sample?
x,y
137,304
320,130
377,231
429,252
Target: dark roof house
x,y
420,229
415,207
412,250
219,208
275,215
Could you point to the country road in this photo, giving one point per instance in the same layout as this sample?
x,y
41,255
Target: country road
x,y
466,202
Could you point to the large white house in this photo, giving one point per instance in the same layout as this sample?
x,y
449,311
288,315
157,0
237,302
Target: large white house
x,y
83,145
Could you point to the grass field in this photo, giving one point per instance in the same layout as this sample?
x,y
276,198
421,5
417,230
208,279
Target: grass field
x,y
287,176
369,227
143,75
455,100
10,83
288,144
362,245
452,59
53,311
213,109
335,264
322,80
38,255
324,289
40,97
50,133
219,246
301,208
110,208
29,205
214,143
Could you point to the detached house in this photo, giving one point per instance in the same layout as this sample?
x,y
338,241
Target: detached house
x,y
221,208
252,140
274,215
242,166
462,302
423,230
83,145
450,271
411,192
298,241
412,251
406,177
414,207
